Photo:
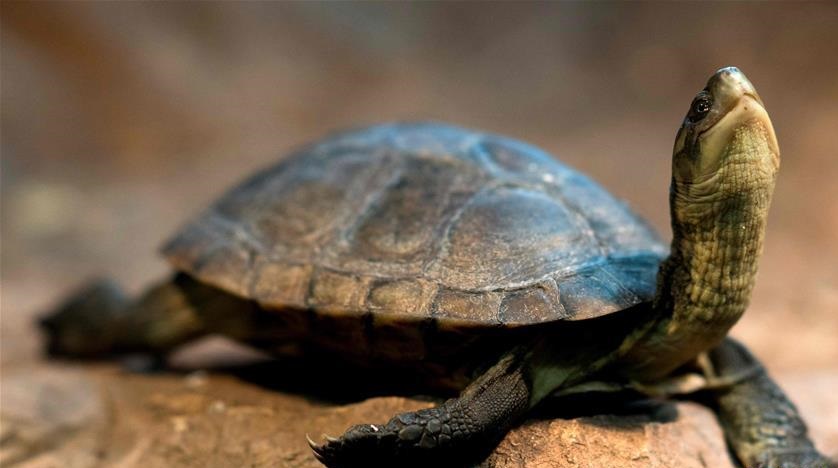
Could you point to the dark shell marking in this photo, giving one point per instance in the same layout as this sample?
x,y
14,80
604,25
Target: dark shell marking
x,y
412,221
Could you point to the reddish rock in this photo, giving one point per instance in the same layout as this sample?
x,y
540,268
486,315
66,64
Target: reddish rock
x,y
100,416
691,439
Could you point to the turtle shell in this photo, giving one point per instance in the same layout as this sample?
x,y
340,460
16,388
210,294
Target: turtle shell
x,y
423,221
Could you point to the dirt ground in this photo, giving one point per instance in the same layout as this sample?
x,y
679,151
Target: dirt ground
x,y
121,120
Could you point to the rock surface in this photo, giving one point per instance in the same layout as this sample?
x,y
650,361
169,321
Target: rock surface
x,y
55,416
683,435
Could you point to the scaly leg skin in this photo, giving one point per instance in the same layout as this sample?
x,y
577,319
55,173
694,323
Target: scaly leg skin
x,y
450,433
762,426
99,321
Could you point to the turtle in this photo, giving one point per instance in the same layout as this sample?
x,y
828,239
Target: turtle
x,y
491,265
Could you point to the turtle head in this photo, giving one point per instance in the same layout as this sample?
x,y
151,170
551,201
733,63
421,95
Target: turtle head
x,y
726,133
724,165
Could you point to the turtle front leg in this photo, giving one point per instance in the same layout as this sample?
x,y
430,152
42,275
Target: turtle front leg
x,y
762,426
454,431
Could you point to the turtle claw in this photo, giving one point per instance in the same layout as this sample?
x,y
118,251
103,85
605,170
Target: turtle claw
x,y
361,445
311,443
323,451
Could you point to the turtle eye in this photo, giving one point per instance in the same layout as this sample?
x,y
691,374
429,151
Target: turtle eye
x,y
699,108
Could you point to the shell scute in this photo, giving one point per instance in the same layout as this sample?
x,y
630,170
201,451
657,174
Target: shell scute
x,y
510,236
532,305
401,298
276,284
400,226
338,292
453,306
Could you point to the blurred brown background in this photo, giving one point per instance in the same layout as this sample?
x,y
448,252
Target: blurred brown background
x,y
120,120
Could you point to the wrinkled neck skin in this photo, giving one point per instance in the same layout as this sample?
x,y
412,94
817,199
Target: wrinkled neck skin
x,y
704,286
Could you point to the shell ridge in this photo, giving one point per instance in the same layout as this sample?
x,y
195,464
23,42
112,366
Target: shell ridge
x,y
388,172
433,262
580,216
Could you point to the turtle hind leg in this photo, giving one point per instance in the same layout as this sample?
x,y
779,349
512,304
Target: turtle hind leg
x,y
457,431
99,321
80,326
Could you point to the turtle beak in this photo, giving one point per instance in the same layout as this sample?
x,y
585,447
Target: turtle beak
x,y
730,81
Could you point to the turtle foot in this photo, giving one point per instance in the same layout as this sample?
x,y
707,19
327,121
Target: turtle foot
x,y
409,439
455,433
